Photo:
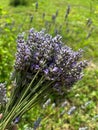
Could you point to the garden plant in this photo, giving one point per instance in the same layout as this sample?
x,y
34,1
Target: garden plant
x,y
43,64
42,85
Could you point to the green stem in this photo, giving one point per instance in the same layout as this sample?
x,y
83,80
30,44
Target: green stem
x,y
20,104
31,103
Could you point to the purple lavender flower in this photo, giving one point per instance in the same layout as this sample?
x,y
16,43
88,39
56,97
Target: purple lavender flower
x,y
36,6
55,69
53,17
3,98
72,109
16,120
37,123
46,71
49,55
43,66
67,11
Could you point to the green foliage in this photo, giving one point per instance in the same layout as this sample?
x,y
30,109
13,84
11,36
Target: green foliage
x,y
84,96
7,48
18,2
0,10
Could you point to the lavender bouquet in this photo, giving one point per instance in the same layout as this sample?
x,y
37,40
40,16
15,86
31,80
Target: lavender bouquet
x,y
44,65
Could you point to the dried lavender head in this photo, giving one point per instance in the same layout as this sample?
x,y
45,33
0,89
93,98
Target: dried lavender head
x,y
67,11
36,5
57,11
3,97
72,109
37,123
23,54
43,15
56,61
53,17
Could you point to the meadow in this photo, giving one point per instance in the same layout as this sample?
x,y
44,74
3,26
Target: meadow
x,y
76,22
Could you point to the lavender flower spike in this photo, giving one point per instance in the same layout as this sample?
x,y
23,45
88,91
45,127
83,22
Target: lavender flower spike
x,y
44,65
49,55
3,98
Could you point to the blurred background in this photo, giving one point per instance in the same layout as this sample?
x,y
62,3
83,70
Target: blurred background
x,y
77,22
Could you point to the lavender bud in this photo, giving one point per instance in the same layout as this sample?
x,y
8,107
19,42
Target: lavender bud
x,y
16,120
64,104
31,19
55,69
36,6
86,104
3,98
62,113
83,128
53,105
95,117
89,22
67,11
47,103
46,71
56,31
72,109
37,123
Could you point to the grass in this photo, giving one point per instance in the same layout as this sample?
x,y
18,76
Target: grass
x,y
77,32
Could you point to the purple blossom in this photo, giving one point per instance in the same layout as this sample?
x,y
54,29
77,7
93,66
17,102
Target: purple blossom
x,y
55,69
49,55
46,71
71,110
37,123
37,67
3,97
16,120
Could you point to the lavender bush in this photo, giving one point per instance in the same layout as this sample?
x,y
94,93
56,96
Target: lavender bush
x,y
44,65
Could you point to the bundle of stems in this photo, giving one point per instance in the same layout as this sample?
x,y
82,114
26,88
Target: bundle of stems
x,y
17,106
43,64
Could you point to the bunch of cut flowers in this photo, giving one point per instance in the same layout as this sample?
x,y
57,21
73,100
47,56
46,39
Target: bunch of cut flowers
x,y
44,65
